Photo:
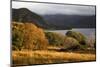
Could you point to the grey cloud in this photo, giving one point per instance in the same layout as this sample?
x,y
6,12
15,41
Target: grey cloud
x,y
43,8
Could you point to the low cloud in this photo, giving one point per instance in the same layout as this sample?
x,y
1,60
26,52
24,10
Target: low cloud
x,y
44,8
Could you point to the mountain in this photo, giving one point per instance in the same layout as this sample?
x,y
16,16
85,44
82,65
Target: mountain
x,y
25,15
56,21
71,21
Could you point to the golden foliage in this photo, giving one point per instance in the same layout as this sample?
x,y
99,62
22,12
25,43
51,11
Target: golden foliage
x,y
33,37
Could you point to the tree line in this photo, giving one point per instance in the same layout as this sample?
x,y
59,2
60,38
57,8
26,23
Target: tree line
x,y
29,36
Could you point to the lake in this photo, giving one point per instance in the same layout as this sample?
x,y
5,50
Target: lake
x,y
88,32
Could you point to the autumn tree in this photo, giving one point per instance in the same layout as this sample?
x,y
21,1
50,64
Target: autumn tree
x,y
78,36
34,37
28,36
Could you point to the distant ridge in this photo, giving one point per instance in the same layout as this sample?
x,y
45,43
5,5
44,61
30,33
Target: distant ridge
x,y
25,15
54,22
71,21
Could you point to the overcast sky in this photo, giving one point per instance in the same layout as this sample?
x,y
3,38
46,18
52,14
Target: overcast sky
x,y
43,8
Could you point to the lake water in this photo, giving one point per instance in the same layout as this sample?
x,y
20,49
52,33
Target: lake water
x,y
88,32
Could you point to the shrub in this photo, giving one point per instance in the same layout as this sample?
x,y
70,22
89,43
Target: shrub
x,y
78,36
71,43
54,39
65,42
17,35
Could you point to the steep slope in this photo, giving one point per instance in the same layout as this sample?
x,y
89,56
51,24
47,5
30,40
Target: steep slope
x,y
25,15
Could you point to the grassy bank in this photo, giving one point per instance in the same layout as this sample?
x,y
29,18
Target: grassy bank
x,y
47,56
